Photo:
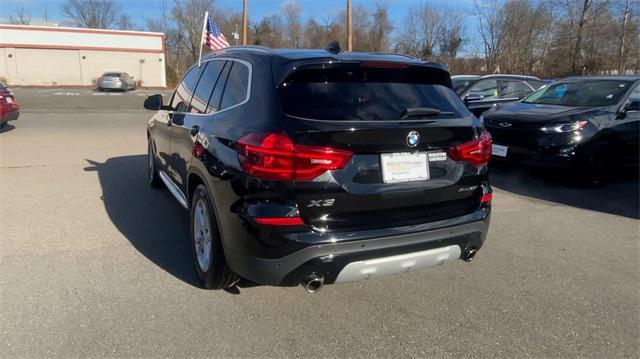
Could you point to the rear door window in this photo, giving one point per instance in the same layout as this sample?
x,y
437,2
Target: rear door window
x,y
364,94
536,84
210,76
513,89
184,91
237,85
488,89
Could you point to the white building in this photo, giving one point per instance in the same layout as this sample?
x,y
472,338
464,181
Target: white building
x,y
59,56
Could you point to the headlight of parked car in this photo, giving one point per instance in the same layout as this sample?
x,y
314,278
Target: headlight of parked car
x,y
565,127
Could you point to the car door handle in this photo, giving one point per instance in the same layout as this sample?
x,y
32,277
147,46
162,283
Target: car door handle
x,y
194,130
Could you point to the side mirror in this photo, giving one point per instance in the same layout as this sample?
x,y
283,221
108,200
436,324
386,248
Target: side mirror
x,y
472,97
632,106
153,102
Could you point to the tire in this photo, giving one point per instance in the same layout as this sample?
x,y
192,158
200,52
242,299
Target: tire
x,y
596,165
152,170
213,273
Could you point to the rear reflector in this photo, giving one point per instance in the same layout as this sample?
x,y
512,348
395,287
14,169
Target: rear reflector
x,y
487,198
274,156
476,152
279,221
198,150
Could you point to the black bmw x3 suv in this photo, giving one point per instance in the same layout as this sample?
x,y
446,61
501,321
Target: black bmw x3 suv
x,y
588,125
312,166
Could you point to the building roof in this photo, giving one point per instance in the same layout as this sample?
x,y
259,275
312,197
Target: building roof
x,y
69,38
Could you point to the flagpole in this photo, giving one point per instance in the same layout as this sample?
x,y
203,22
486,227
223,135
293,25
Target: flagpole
x,y
204,27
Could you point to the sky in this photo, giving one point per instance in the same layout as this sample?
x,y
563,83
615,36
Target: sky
x,y
138,10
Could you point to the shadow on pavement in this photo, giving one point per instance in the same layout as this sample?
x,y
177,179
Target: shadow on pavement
x,y
620,196
151,219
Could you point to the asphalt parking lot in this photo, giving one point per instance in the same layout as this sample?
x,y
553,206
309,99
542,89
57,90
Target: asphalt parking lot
x,y
96,263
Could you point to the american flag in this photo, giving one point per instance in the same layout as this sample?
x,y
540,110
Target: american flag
x,y
214,38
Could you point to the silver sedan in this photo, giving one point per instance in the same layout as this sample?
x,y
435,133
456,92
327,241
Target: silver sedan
x,y
116,81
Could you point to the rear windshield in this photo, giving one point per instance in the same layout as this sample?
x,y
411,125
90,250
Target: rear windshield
x,y
364,94
589,93
112,74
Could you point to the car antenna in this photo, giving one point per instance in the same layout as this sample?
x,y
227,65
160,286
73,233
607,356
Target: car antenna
x,y
334,47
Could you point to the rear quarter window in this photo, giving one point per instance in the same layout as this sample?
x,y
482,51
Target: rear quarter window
x,y
359,94
237,85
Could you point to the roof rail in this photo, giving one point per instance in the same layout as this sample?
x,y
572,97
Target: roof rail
x,y
248,48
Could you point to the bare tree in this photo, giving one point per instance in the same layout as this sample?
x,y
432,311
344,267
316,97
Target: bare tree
x,y
291,11
269,32
360,27
125,23
490,28
451,39
629,26
97,14
188,15
381,27
424,30
576,55
20,16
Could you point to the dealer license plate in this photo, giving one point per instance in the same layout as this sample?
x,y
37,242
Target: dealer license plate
x,y
498,150
404,167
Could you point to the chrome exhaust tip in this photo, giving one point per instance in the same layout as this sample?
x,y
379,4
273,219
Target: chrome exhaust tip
x,y
313,283
469,254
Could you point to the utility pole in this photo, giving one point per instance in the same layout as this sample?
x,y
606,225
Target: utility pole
x,y
349,30
244,22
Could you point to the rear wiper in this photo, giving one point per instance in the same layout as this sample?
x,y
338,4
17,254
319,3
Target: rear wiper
x,y
422,112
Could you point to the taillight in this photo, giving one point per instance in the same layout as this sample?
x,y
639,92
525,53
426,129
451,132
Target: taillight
x,y
274,156
486,198
476,152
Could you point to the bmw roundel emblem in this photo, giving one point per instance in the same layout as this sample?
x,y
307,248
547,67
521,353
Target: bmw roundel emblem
x,y
413,138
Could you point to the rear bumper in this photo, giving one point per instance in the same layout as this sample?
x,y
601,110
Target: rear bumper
x,y
393,250
10,116
113,86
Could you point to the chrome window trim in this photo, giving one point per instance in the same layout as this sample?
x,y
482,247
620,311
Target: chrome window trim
x,y
249,86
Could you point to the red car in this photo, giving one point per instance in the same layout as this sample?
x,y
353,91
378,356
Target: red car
x,y
9,108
